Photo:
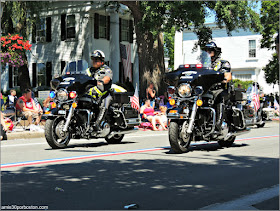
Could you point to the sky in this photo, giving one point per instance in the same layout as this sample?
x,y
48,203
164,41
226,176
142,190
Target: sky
x,y
211,18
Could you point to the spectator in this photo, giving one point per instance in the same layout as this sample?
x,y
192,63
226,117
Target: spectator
x,y
37,102
239,86
12,99
29,109
46,104
163,114
148,113
2,101
151,94
3,125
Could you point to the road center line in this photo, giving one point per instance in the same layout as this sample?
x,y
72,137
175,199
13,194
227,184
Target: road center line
x,y
83,157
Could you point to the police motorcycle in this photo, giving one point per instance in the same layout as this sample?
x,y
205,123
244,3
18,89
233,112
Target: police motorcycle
x,y
245,103
74,112
192,91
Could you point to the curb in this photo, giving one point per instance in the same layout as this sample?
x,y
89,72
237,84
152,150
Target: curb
x,y
25,135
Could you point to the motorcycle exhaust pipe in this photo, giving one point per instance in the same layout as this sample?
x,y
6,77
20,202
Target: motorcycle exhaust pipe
x,y
120,133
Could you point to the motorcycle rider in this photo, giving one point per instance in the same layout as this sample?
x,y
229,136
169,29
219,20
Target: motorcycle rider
x,y
222,66
104,75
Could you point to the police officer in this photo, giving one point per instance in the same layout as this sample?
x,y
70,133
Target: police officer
x,y
104,75
222,66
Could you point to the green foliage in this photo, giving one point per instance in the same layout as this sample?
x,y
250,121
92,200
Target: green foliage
x,y
17,15
272,70
169,46
270,22
244,84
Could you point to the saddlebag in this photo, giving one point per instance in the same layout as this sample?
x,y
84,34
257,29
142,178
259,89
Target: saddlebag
x,y
121,97
239,95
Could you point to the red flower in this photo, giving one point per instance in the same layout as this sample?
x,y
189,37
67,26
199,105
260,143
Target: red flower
x,y
19,41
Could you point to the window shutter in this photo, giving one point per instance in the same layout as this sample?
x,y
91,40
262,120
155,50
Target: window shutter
x,y
130,31
96,25
108,27
48,72
34,74
49,29
121,73
63,27
132,71
11,85
34,33
120,29
62,65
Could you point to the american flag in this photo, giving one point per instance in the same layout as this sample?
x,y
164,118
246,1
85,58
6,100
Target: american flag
x,y
256,98
126,61
135,100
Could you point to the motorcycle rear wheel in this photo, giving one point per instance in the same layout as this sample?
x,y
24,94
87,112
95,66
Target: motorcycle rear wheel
x,y
51,137
116,139
176,143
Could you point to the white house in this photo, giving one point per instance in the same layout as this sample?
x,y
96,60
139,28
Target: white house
x,y
69,31
242,50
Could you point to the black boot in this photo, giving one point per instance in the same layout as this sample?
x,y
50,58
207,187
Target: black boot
x,y
100,118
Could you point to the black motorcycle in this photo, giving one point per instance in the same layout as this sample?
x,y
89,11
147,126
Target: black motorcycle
x,y
252,117
74,112
193,90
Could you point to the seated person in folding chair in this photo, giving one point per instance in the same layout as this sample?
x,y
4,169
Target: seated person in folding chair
x,y
148,113
27,106
10,111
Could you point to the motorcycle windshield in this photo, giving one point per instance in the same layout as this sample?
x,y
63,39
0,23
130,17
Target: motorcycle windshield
x,y
205,59
75,67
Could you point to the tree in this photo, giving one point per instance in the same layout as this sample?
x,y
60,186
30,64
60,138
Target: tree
x,y
270,22
152,18
17,15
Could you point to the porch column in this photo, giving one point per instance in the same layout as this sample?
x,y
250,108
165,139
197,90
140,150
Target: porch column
x,y
114,45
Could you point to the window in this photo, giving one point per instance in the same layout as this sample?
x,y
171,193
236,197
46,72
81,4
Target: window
x,y
252,48
68,23
125,30
41,31
101,26
15,76
243,77
41,74
70,26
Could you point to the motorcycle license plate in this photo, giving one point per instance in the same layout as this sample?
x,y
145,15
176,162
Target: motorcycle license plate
x,y
62,112
66,107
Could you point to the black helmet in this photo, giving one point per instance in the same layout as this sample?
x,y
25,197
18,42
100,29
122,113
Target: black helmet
x,y
213,47
98,54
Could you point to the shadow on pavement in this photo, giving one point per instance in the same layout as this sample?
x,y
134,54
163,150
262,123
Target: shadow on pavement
x,y
154,184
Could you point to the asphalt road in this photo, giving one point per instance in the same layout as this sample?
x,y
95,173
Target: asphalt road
x,y
141,170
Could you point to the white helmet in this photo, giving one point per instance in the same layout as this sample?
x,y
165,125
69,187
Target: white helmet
x,y
98,54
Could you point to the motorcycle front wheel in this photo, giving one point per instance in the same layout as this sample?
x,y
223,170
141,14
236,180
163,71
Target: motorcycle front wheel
x,y
54,135
176,143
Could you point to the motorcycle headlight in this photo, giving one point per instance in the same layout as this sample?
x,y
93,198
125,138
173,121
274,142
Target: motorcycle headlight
x,y
62,95
184,90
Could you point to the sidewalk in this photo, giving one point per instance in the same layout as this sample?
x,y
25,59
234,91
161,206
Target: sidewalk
x,y
20,133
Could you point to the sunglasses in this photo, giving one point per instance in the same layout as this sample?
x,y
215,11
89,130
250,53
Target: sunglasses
x,y
95,59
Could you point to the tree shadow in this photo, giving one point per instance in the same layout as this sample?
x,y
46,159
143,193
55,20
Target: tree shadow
x,y
154,184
